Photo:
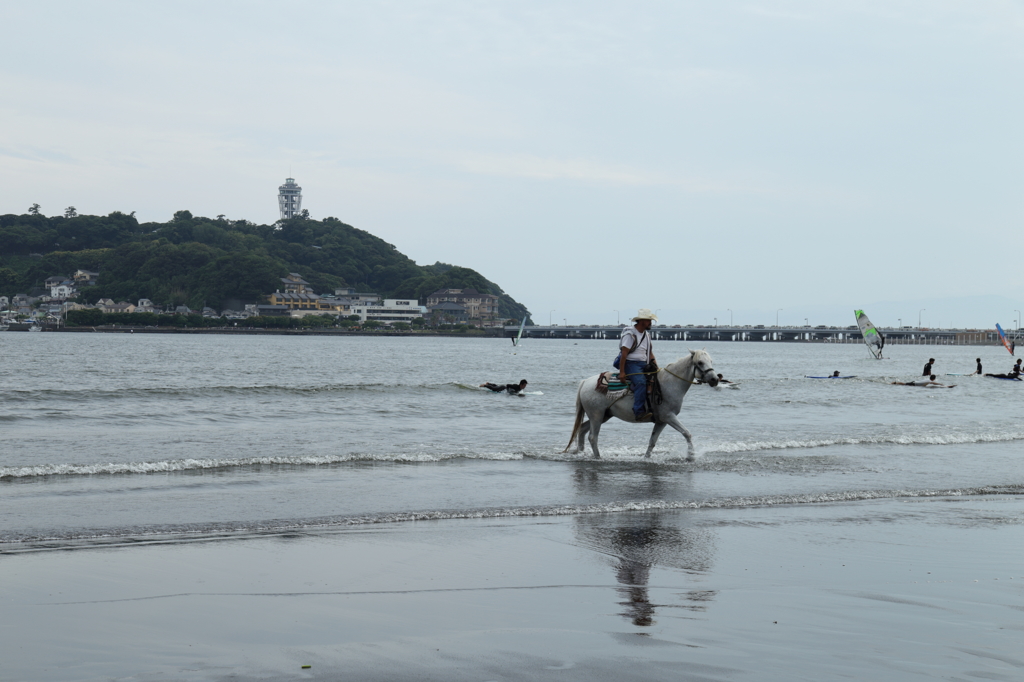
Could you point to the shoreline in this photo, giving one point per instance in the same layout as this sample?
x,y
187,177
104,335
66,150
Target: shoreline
x,y
868,590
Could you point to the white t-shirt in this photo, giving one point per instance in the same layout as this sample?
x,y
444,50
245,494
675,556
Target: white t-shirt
x,y
642,352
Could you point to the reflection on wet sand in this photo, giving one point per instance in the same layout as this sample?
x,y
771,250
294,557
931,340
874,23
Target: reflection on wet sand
x,y
639,541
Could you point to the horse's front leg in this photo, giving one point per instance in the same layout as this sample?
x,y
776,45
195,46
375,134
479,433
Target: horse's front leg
x,y
672,421
658,428
584,428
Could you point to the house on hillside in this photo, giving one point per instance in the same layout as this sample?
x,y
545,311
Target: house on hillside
x,y
145,306
120,307
481,309
85,277
62,290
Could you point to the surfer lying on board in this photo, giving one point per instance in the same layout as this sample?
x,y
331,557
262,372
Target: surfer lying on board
x,y
836,374
512,389
930,381
721,380
1012,374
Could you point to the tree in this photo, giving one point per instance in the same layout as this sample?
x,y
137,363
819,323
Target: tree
x,y
303,214
33,209
70,212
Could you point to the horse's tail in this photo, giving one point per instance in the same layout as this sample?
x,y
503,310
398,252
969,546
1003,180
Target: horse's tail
x,y
579,418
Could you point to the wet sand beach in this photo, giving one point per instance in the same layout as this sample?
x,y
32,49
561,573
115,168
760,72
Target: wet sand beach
x,y
895,589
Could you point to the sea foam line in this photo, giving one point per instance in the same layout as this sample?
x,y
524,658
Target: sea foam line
x,y
169,533
923,439
196,464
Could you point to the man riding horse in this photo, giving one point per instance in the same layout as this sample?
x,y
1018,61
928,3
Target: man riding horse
x,y
635,354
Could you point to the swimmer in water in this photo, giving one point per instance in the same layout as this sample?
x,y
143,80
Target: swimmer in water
x,y
512,389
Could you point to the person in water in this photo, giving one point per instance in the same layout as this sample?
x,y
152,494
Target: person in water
x,y
930,381
1012,374
928,367
512,389
978,371
721,380
835,374
636,353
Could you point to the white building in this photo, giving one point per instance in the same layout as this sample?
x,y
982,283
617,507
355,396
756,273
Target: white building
x,y
62,291
289,199
390,311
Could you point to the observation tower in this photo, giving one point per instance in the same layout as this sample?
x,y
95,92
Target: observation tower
x,y
289,199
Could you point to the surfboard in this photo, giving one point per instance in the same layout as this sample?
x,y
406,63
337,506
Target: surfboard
x,y
1002,337
851,376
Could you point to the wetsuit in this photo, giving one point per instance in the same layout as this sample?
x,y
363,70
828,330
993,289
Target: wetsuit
x,y
927,369
511,388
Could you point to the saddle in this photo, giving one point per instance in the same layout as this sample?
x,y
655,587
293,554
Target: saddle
x,y
609,381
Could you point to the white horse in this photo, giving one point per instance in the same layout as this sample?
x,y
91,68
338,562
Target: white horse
x,y
675,379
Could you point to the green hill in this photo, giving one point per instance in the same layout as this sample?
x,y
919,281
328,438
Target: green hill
x,y
195,261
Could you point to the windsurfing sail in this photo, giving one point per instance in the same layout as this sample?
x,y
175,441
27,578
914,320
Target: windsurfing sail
x,y
1010,345
872,337
519,336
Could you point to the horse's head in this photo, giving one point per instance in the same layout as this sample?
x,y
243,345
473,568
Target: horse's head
x,y
703,368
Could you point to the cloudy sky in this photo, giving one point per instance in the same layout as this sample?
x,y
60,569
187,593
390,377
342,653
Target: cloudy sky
x,y
722,159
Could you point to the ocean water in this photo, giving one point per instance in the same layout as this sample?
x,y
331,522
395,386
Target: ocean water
x,y
116,438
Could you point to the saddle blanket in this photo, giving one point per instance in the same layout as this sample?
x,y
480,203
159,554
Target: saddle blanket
x,y
609,381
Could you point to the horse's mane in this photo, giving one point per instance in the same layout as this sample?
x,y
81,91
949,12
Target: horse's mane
x,y
696,356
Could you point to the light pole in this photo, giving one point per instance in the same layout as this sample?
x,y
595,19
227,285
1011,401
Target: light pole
x,y
806,323
716,321
549,315
919,317
730,316
777,317
1018,318
617,321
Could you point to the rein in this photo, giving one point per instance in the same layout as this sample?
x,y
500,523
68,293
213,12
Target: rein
x,y
666,369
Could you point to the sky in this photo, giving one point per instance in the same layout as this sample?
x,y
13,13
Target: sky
x,y
753,161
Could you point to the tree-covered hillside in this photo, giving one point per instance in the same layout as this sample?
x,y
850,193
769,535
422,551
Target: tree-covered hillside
x,y
195,261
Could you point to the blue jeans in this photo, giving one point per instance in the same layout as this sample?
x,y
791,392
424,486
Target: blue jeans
x,y
637,381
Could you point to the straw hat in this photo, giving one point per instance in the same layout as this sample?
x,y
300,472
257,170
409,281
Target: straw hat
x,y
645,314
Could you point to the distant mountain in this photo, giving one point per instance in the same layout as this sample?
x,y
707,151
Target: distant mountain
x,y
195,261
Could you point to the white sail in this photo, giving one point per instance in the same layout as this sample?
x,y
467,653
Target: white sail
x,y
519,336
872,337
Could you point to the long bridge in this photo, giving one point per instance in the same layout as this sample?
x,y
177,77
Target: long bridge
x,y
894,336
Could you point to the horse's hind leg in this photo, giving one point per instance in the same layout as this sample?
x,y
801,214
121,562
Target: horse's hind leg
x,y
584,428
691,454
595,429
658,428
